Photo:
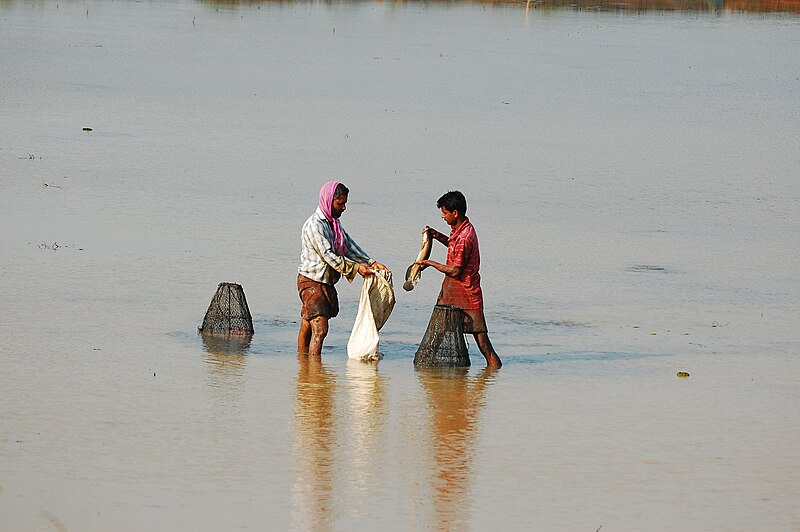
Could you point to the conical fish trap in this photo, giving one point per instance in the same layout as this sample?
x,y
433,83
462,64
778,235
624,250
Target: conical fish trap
x,y
443,344
228,312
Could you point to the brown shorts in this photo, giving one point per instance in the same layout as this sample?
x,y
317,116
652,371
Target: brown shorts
x,y
319,299
474,320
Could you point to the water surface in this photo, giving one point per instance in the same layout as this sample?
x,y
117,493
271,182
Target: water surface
x,y
633,180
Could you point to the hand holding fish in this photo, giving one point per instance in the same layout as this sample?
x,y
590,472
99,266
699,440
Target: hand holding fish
x,y
413,272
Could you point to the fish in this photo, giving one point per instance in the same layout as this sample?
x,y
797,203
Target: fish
x,y
414,271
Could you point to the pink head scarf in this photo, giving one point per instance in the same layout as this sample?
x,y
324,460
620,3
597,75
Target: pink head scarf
x,y
325,202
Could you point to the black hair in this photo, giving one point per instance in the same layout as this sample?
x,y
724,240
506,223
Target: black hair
x,y
340,191
453,201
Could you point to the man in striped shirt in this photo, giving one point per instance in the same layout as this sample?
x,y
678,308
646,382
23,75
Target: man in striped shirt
x,y
462,281
327,254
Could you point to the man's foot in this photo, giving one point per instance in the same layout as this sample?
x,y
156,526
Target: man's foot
x,y
493,361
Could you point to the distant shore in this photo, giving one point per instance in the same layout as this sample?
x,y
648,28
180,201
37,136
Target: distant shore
x,y
633,6
720,6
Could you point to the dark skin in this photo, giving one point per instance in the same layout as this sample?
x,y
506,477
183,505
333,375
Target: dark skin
x,y
312,332
455,220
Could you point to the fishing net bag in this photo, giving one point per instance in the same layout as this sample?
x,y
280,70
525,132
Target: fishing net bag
x,y
443,344
228,312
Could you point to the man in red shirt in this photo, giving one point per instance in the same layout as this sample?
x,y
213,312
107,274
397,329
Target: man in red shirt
x,y
462,281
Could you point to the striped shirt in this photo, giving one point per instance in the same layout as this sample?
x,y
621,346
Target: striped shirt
x,y
462,250
318,260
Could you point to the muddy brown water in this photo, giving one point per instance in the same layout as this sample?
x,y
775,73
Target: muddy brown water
x,y
632,177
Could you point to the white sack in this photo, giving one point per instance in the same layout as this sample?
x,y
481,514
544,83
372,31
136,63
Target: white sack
x,y
376,303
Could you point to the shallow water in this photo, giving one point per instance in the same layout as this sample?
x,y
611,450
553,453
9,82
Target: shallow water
x,y
633,181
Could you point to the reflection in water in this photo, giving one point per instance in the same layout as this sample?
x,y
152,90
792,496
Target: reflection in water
x,y
336,462
368,414
225,355
314,445
227,344
455,400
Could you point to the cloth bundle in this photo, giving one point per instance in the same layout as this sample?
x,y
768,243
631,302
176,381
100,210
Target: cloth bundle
x,y
374,307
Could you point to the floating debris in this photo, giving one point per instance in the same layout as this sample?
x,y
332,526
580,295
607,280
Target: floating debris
x,y
644,268
682,374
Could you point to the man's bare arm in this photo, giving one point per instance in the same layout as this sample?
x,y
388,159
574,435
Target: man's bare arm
x,y
450,271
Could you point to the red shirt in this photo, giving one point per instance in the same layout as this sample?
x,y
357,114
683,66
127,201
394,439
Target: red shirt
x,y
465,290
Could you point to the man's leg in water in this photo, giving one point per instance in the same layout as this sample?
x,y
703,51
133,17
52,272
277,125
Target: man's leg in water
x,y
319,329
304,336
485,345
311,336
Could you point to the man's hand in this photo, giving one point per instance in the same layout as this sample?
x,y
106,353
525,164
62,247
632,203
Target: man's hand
x,y
434,234
378,266
364,270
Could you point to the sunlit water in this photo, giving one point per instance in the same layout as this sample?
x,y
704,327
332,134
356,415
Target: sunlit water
x,y
633,179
